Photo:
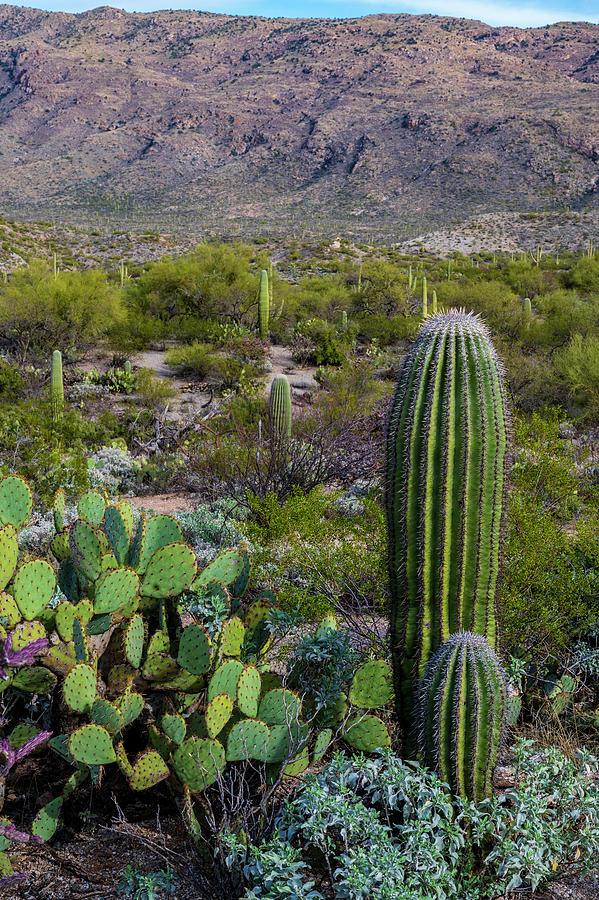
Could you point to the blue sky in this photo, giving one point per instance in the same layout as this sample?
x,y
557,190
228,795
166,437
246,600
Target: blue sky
x,y
501,12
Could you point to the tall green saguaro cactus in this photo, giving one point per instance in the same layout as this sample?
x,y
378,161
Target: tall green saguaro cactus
x,y
446,454
279,408
424,298
56,386
463,711
263,305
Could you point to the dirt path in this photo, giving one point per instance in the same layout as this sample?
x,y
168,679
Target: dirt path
x,y
301,380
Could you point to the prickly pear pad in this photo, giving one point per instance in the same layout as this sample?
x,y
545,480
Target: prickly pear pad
x,y
9,610
248,739
87,549
92,745
116,589
198,761
225,679
372,685
280,707
367,734
117,533
107,715
232,636
9,551
16,500
218,713
169,572
91,507
248,691
148,770
174,727
158,532
80,688
195,650
134,640
225,568
33,587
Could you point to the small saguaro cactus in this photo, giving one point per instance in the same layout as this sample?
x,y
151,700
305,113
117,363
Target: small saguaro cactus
x,y
279,408
449,270
527,307
434,303
424,298
343,320
263,305
56,386
446,462
462,707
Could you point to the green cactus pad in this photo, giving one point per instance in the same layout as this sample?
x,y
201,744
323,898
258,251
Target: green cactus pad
x,y
280,707
16,500
159,643
134,640
329,623
127,512
80,688
159,531
372,685
68,580
169,572
283,741
80,641
87,549
232,636
226,568
46,821
26,633
174,727
148,770
122,760
321,745
107,715
159,667
120,678
116,589
60,658
198,761
34,680
299,764
218,713
159,741
60,546
21,734
9,610
59,507
91,507
65,615
92,745
248,691
116,530
258,612
9,551
195,650
366,733
248,739
130,705
98,624
33,587
196,725
225,679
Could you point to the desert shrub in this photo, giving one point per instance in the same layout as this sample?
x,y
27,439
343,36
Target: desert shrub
x,y
153,392
578,364
12,383
548,590
584,275
193,361
384,829
39,313
117,380
386,330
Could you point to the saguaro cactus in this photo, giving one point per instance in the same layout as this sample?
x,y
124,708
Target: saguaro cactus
x,y
343,320
263,305
424,298
446,449
279,408
56,386
527,307
434,304
462,714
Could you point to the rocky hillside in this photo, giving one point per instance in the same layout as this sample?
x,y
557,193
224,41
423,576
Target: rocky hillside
x,y
380,125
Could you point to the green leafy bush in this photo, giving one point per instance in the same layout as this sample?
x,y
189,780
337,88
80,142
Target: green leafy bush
x,y
194,360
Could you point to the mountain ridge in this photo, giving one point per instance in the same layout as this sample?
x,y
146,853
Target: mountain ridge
x,y
382,124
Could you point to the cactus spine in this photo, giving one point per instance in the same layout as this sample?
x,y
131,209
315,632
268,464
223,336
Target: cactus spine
x,y
446,449
263,305
424,298
279,408
57,386
463,708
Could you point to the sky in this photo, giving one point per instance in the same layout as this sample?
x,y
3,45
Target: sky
x,y
502,12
